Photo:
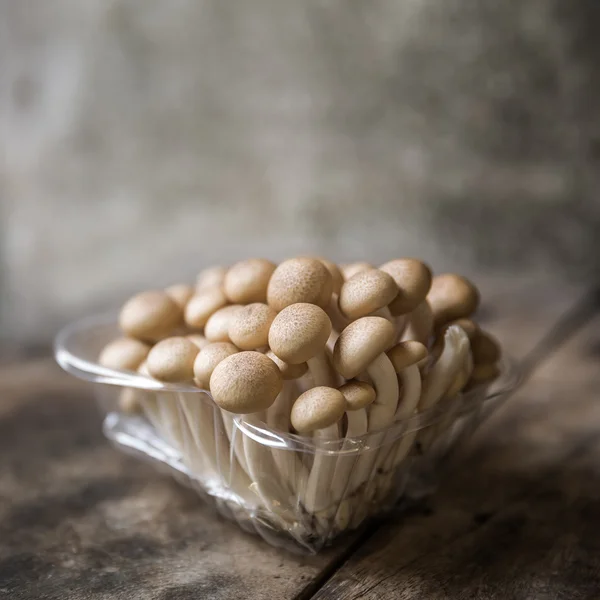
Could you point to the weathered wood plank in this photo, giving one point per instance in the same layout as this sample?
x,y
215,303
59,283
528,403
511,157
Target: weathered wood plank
x,y
518,513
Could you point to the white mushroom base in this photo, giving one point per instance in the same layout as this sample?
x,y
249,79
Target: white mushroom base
x,y
185,433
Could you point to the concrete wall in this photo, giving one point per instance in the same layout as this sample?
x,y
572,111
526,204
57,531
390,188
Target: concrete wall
x,y
145,139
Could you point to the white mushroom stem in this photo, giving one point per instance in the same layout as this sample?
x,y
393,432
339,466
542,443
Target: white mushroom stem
x,y
380,415
411,392
443,374
445,370
290,467
419,324
318,495
338,320
398,322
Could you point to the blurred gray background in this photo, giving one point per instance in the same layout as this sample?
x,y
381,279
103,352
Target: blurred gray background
x,y
144,139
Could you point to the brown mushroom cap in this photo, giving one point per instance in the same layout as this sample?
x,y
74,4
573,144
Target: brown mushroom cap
x,y
413,279
211,277
204,304
483,374
452,297
217,326
247,281
172,360
299,332
366,292
358,394
352,269
407,353
336,275
360,344
150,316
300,280
245,382
124,353
485,348
317,408
198,340
181,293
288,371
208,358
249,327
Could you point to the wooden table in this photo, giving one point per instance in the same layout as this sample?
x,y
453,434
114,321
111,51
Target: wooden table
x,y
517,514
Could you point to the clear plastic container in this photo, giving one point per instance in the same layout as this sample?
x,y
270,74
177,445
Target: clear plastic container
x,y
296,492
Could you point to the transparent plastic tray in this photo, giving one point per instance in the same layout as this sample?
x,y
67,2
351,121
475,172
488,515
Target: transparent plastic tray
x,y
263,478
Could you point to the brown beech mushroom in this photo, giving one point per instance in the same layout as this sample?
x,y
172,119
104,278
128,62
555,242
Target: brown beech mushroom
x,y
211,277
124,353
249,327
452,297
366,292
352,269
247,281
208,358
217,326
318,411
150,316
298,335
484,373
317,408
181,293
358,395
361,347
245,382
172,360
203,305
300,280
413,279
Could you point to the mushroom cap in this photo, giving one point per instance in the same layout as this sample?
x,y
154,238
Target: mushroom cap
x,y
198,340
245,382
217,326
181,293
407,353
452,297
352,269
485,348
300,280
336,275
150,316
317,408
201,306
366,292
483,373
358,394
172,360
211,277
249,327
247,281
288,371
299,332
208,358
360,343
124,353
413,279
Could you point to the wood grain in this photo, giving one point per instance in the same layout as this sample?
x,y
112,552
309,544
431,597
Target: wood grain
x,y
518,513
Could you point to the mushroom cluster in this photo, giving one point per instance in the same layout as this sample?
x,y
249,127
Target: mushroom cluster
x,y
309,347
